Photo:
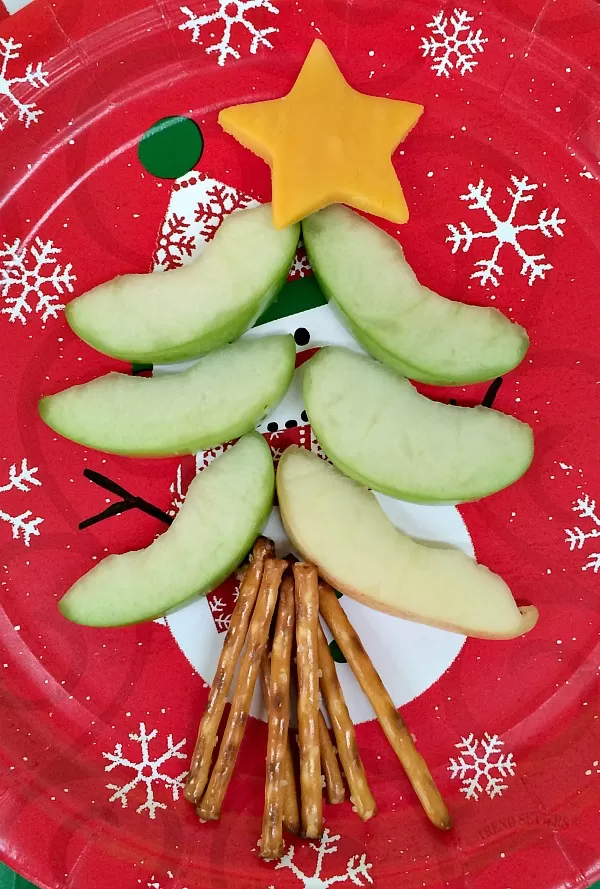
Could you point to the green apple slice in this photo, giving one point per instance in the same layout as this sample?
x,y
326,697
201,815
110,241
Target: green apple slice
x,y
222,396
225,508
411,329
339,526
174,315
379,430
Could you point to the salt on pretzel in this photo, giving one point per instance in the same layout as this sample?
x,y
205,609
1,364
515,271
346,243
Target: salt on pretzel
x,y
360,792
307,622
230,653
334,782
209,807
271,845
389,718
291,815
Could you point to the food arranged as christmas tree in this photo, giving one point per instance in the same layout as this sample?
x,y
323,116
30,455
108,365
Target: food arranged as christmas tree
x,y
376,432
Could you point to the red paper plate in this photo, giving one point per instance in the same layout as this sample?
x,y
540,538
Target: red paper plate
x,y
502,179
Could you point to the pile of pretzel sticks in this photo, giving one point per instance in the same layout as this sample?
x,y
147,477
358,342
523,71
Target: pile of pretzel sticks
x,y
275,624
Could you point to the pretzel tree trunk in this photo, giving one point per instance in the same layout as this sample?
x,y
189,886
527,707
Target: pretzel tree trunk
x,y
209,807
291,815
334,783
307,622
345,736
279,718
230,653
390,720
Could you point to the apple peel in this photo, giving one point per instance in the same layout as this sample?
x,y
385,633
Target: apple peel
x,y
339,526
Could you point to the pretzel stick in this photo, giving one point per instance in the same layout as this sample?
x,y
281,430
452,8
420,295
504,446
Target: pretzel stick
x,y
390,720
307,622
291,816
232,647
334,783
345,736
271,845
209,807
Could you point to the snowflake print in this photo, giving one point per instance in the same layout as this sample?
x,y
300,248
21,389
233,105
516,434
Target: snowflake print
x,y
222,622
276,455
147,771
197,207
300,266
205,458
577,537
33,272
34,77
221,603
593,564
23,479
230,13
216,604
505,231
174,243
176,489
357,869
219,202
477,761
316,448
453,44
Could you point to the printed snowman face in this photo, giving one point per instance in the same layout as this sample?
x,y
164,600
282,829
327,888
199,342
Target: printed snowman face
x,y
409,657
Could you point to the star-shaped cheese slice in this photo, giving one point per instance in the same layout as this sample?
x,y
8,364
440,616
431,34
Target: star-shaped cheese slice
x,y
326,143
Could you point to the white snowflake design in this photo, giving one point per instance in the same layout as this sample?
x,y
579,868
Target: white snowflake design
x,y
301,266
505,231
176,490
220,611
222,622
202,460
477,761
356,872
147,771
577,537
33,272
230,13
453,44
34,76
22,479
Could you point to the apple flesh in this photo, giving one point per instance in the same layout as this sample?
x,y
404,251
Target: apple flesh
x,y
225,509
224,395
376,427
179,314
410,328
339,526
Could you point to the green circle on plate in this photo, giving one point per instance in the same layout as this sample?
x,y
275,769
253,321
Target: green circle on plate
x,y
336,652
171,147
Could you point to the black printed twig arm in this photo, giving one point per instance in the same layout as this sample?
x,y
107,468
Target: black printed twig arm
x,y
127,501
490,395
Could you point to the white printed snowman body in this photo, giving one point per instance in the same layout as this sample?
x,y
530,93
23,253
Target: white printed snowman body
x,y
410,657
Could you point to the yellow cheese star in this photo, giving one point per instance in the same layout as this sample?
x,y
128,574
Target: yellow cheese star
x,y
326,143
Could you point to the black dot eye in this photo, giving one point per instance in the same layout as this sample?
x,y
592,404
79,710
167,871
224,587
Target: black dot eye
x,y
302,336
289,424
272,427
304,416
